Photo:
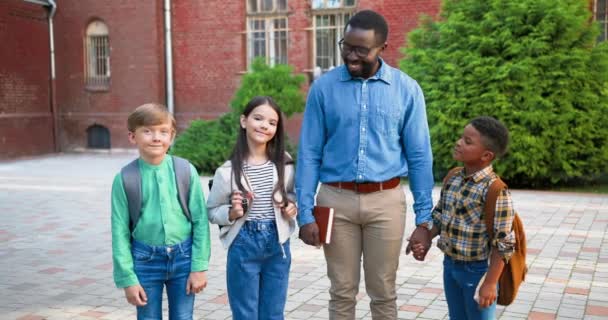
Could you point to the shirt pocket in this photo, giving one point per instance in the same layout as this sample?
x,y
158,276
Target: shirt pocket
x,y
386,119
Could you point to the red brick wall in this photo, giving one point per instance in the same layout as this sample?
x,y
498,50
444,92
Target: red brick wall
x,y
402,17
208,55
26,121
136,62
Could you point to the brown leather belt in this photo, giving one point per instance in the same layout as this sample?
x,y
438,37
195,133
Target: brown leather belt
x,y
367,187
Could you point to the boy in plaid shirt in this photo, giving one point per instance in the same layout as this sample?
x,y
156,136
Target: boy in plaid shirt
x,y
458,219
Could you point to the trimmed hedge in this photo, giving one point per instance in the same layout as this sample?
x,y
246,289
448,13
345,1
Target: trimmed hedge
x,y
533,64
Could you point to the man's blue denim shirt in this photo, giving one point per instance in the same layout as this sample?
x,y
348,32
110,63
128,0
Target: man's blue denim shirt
x,y
365,130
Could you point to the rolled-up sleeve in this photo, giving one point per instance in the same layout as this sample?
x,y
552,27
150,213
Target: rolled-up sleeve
x,y
504,238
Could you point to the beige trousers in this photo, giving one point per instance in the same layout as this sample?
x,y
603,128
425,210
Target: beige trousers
x,y
370,226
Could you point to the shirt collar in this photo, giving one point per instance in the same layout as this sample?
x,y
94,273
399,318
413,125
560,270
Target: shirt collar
x,y
383,73
148,166
479,175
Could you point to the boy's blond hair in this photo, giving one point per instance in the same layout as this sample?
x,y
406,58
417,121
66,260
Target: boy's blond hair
x,y
150,114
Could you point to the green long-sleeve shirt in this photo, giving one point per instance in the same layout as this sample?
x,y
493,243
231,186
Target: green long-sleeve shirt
x,y
162,221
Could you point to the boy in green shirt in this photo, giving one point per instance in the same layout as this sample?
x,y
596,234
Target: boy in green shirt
x,y
158,243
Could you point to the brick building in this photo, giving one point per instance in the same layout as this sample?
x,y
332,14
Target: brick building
x,y
111,56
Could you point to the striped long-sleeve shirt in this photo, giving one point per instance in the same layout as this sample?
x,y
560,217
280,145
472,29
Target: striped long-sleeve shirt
x,y
459,215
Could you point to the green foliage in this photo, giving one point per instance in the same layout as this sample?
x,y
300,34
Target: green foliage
x,y
208,143
279,82
534,65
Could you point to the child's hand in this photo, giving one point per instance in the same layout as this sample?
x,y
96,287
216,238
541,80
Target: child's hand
x,y
197,281
236,211
487,294
289,211
136,295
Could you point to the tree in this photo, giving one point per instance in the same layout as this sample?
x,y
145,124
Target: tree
x,y
534,65
208,143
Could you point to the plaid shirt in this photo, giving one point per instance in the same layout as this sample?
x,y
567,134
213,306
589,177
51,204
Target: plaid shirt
x,y
459,215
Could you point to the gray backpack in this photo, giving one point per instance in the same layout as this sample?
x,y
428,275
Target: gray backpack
x,y
131,180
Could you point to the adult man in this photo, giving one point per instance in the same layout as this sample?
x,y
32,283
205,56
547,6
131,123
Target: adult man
x,y
364,127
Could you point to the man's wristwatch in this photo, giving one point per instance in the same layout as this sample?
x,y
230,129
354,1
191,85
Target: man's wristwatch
x,y
428,225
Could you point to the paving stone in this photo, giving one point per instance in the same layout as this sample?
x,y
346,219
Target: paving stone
x,y
57,221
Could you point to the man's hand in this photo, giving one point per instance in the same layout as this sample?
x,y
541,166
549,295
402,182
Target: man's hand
x,y
197,281
289,211
419,243
136,295
487,294
309,233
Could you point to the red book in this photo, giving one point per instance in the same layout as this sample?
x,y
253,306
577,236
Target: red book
x,y
324,217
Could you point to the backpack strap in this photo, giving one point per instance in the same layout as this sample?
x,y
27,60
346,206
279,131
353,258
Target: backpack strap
x,y
131,181
490,207
183,174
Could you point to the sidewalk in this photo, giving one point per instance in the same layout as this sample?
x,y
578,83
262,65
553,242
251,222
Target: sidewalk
x,y
55,254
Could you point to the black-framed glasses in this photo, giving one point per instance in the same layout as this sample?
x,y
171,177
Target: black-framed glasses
x,y
360,51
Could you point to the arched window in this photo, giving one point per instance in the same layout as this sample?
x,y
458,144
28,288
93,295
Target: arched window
x,y
97,56
98,137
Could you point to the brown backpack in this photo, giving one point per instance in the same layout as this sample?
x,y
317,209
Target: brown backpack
x,y
514,272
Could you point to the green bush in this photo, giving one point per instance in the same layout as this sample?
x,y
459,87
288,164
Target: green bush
x,y
208,143
279,82
534,65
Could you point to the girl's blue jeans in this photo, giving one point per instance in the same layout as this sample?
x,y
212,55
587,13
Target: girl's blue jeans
x,y
460,281
257,272
160,266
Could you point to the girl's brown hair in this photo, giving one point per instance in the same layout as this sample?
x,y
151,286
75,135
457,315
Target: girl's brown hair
x,y
275,148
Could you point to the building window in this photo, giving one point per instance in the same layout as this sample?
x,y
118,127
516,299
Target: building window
x,y
97,56
267,31
329,19
601,15
332,4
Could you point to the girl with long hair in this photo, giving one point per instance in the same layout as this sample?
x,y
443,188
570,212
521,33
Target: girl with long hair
x,y
252,200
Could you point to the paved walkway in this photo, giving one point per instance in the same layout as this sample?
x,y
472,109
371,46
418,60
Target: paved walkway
x,y
55,253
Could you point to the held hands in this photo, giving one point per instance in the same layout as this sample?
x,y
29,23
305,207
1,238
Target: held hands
x,y
197,281
290,210
236,200
309,233
419,243
136,295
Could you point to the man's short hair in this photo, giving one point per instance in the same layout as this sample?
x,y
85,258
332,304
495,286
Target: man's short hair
x,y
370,20
494,134
150,114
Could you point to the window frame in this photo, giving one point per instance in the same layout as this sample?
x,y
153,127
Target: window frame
x,y
341,17
276,7
602,21
274,30
97,69
341,4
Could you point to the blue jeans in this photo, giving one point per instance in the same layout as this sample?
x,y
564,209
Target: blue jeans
x,y
159,266
460,281
257,272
